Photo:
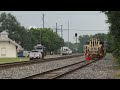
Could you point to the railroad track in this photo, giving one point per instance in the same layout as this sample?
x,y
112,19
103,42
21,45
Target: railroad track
x,y
60,72
16,64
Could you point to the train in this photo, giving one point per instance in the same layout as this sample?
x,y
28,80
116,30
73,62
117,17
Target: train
x,y
95,48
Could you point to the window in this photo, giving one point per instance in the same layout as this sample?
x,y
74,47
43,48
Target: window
x,y
3,51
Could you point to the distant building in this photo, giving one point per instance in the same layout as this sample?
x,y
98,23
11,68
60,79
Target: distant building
x,y
8,47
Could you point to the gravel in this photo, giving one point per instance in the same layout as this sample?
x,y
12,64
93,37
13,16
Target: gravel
x,y
102,69
24,71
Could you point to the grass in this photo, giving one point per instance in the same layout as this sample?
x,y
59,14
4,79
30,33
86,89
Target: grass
x,y
10,60
117,74
117,67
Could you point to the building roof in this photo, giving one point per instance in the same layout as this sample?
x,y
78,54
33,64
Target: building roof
x,y
9,40
6,39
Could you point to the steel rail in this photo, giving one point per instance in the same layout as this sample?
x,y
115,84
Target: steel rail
x,y
59,72
14,64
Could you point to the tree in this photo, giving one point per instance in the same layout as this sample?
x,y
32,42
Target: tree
x,y
49,39
114,30
28,38
13,27
100,36
85,38
72,46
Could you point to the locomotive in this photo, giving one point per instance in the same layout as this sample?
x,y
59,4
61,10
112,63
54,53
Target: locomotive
x,y
95,48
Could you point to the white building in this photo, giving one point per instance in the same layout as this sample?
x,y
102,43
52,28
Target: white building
x,y
8,47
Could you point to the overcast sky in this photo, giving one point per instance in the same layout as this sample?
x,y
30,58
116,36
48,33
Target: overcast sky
x,y
79,21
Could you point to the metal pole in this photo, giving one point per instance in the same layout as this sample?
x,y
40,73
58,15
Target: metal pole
x,y
68,33
61,32
76,44
62,36
40,36
43,20
56,27
41,30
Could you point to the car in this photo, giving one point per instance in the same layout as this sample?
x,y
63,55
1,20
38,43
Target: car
x,y
34,54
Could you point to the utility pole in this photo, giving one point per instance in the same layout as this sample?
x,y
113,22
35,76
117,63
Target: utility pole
x,y
41,29
43,20
62,36
68,33
56,27
61,32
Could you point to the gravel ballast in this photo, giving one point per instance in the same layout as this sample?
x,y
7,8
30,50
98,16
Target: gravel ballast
x,y
102,69
24,71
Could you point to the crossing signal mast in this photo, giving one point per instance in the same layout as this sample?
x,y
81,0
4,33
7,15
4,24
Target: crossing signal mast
x,y
76,41
76,37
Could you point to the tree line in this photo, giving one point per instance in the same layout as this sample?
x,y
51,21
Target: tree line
x,y
113,19
28,38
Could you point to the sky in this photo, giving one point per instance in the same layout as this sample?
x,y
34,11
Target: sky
x,y
80,22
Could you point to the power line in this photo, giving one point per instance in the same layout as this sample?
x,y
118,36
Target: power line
x,y
80,30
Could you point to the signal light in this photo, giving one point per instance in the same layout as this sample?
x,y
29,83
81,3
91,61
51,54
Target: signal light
x,y
75,34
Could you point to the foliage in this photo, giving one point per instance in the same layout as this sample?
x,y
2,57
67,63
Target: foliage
x,y
49,39
28,38
114,30
72,46
85,38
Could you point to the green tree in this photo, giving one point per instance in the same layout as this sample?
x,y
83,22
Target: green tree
x,y
72,46
12,26
100,36
49,39
85,38
28,38
82,41
114,30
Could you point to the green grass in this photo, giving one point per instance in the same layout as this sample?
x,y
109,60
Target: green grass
x,y
10,60
117,67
